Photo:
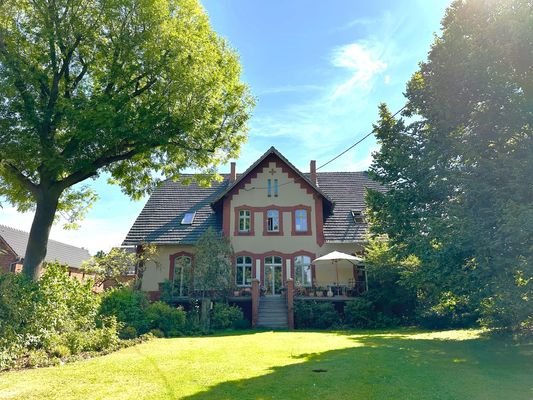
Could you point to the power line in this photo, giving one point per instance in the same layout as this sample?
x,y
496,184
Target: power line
x,y
359,141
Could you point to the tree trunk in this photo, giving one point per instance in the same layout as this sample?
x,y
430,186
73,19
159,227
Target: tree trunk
x,y
47,201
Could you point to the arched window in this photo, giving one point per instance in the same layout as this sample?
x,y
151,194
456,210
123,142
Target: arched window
x,y
302,271
182,275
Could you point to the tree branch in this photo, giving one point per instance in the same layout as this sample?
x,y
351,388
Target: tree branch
x,y
23,179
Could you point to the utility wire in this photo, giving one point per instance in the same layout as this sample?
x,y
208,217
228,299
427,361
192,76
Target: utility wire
x,y
359,141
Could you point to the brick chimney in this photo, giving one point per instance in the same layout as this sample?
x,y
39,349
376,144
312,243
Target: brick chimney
x,y
312,169
233,172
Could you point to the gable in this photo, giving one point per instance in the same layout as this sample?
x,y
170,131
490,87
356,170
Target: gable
x,y
271,156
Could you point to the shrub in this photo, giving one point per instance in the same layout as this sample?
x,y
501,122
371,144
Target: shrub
x,y
158,333
171,321
128,332
54,317
359,313
225,316
128,306
317,315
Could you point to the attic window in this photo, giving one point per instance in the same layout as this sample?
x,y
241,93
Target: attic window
x,y
188,218
358,216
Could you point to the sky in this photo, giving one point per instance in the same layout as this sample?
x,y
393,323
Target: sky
x,y
318,71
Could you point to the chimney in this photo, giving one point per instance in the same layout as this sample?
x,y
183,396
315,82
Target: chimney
x,y
233,173
312,169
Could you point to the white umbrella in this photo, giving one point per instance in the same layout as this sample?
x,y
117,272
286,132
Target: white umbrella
x,y
334,257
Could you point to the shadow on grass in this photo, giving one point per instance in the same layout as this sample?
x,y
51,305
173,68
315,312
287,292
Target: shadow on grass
x,y
394,366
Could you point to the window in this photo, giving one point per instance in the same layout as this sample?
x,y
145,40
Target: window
x,y
302,271
182,272
358,216
275,188
269,188
243,271
188,218
244,221
300,220
273,221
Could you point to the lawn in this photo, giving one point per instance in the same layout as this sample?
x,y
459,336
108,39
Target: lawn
x,y
293,365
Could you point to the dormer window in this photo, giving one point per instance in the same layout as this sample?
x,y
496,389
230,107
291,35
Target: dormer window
x,y
358,216
188,218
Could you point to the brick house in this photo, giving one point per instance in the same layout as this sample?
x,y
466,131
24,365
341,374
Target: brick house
x,y
277,218
13,244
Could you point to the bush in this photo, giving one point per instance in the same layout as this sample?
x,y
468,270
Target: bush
x,y
128,332
359,313
54,318
169,320
315,315
225,316
129,307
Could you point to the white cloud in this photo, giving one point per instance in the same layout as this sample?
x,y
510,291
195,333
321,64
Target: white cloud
x,y
364,63
386,79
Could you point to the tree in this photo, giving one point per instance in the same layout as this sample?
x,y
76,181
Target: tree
x,y
136,89
458,164
118,263
213,263
212,270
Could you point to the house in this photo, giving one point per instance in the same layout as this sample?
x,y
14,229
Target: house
x,y
13,244
277,218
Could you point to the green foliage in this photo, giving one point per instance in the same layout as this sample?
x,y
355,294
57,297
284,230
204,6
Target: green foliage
x,y
54,318
212,264
457,166
137,89
359,313
138,316
224,316
113,266
169,320
315,315
128,306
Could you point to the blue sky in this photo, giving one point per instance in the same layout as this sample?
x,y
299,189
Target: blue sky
x,y
318,71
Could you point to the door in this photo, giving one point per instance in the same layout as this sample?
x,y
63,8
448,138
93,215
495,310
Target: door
x,y
273,273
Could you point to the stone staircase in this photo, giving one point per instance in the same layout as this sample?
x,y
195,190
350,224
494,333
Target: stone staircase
x,y
272,313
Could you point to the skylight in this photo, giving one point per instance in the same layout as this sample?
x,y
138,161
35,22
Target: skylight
x,y
188,218
358,216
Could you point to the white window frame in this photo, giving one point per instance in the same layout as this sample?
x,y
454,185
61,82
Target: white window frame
x,y
303,212
243,263
178,264
271,221
300,274
245,220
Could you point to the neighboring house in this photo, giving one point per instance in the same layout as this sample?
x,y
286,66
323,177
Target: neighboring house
x,y
13,244
278,220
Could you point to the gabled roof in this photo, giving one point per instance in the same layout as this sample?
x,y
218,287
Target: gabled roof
x,y
160,219
56,251
270,152
347,190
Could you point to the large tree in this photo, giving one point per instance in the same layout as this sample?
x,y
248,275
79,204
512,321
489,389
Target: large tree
x,y
459,164
136,89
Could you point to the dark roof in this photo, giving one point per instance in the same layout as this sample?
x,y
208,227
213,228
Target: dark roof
x,y
273,151
347,190
56,251
160,220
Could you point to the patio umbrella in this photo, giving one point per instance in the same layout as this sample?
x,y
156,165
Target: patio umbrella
x,y
334,257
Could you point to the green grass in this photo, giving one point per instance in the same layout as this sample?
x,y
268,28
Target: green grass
x,y
400,364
